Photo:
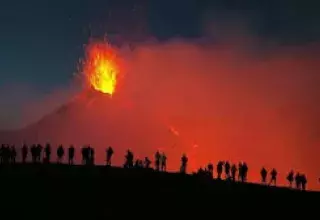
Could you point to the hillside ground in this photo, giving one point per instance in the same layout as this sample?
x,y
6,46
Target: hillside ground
x,y
98,192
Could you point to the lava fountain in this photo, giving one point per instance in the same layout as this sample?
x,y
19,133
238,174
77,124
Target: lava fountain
x,y
100,67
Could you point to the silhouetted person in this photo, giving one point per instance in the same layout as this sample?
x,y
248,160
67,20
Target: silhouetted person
x,y
60,154
84,153
24,153
290,178
38,152
297,179
163,162
92,155
1,153
47,152
234,172
303,180
210,169
71,154
240,172
33,153
219,169
129,159
184,162
109,155
147,162
157,158
227,169
7,154
264,174
273,179
244,172
13,154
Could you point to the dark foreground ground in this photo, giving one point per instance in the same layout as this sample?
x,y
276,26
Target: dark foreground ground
x,y
80,192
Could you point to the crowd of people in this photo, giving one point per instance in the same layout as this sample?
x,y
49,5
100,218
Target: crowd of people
x,y
240,173
232,172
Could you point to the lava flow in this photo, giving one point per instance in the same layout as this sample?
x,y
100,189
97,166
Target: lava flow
x,y
100,67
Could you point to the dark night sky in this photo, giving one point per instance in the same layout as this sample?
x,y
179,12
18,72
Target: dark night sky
x,y
41,40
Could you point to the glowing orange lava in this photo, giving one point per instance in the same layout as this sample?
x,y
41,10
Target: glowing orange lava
x,y
100,67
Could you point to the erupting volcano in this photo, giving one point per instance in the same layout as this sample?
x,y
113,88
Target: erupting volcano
x,y
91,118
100,67
230,113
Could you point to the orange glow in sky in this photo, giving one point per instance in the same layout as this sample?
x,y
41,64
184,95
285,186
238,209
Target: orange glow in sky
x,y
212,104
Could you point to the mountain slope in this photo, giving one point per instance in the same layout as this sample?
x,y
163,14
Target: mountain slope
x,y
100,120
